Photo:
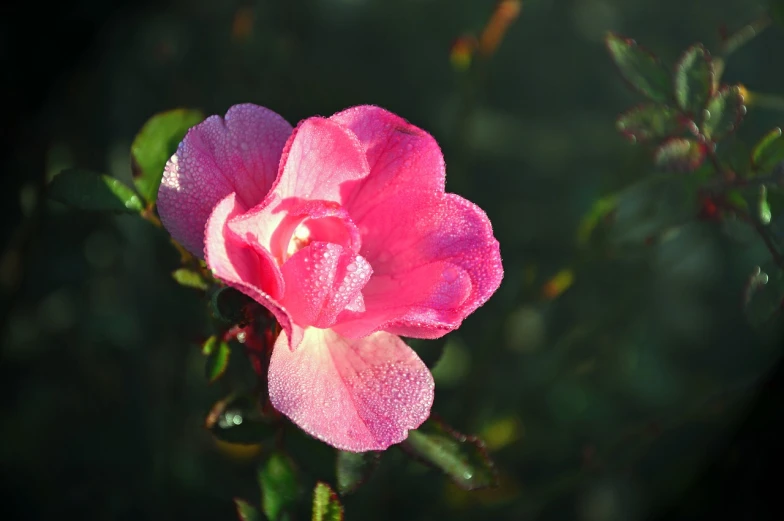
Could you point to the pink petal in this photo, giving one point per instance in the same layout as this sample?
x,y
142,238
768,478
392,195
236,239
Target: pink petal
x,y
434,264
402,157
321,281
245,266
273,224
319,158
217,157
356,395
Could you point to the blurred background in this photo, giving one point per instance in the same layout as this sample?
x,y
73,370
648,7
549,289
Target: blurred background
x,y
606,376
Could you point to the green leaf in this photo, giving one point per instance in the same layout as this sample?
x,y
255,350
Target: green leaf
x,y
155,143
769,152
694,77
764,294
86,190
723,113
246,511
326,505
463,458
237,419
679,155
279,486
763,208
354,468
218,353
641,69
602,209
649,121
189,278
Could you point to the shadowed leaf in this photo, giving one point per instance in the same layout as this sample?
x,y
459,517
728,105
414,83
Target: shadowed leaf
x,y
354,468
694,80
326,505
230,305
155,143
649,121
85,190
462,458
279,487
723,113
640,68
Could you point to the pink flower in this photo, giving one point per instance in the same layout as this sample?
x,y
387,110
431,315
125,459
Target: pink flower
x,y
342,229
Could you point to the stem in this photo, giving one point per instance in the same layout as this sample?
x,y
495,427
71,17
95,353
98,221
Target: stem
x,y
767,101
744,35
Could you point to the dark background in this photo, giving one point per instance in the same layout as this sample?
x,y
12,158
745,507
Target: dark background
x,y
639,392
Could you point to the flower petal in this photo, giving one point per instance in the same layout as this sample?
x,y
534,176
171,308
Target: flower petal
x,y
244,266
217,157
401,156
322,279
444,253
273,224
319,158
356,395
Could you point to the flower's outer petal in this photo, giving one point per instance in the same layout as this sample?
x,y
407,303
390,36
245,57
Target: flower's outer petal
x,y
322,279
433,265
318,159
240,153
356,395
402,157
245,266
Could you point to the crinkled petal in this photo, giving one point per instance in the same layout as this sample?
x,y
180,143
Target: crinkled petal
x,y
322,279
245,266
356,395
433,265
273,224
319,158
402,157
217,157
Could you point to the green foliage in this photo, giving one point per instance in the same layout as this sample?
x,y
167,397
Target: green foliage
x,y
640,68
723,113
90,191
649,121
463,458
237,419
155,143
218,353
679,155
246,511
693,80
279,485
354,468
769,152
189,278
326,505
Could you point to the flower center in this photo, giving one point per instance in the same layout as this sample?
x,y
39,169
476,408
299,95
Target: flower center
x,y
299,239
